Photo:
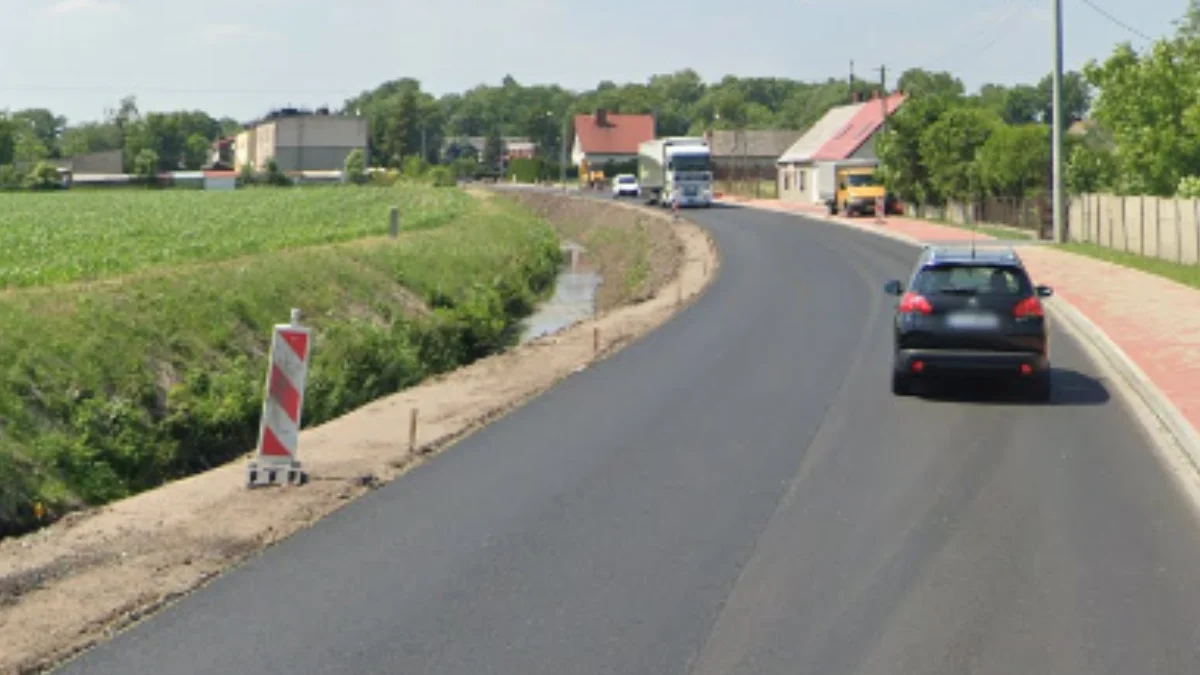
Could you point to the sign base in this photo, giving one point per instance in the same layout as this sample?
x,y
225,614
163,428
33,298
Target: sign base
x,y
274,474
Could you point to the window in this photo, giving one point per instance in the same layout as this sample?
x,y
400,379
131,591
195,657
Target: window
x,y
863,180
981,279
800,179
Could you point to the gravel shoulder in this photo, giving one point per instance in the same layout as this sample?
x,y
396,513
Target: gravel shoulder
x,y
80,580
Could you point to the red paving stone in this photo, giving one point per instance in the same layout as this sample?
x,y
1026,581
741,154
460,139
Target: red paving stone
x,y
1155,321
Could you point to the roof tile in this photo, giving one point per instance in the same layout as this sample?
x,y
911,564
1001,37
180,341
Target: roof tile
x,y
851,136
621,135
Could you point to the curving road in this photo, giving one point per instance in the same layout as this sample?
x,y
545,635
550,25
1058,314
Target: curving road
x,y
739,493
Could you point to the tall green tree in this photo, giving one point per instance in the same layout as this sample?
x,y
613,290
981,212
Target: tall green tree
x,y
921,83
899,149
1150,104
949,149
493,149
7,142
1015,160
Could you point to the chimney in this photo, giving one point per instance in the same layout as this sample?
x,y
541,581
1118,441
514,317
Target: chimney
x,y
601,117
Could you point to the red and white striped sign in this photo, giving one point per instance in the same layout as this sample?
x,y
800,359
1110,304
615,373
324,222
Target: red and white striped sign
x,y
279,432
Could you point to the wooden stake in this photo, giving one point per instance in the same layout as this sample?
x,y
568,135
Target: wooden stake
x,y
412,431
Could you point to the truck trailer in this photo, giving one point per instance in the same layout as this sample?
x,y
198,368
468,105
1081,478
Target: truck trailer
x,y
676,170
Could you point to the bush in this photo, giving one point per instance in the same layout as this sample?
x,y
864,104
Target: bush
x,y
1189,187
442,176
9,178
355,167
44,176
275,176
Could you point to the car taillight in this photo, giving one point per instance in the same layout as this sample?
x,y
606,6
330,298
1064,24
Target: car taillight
x,y
1028,308
911,303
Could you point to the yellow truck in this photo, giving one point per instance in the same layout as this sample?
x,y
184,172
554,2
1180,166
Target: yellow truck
x,y
856,187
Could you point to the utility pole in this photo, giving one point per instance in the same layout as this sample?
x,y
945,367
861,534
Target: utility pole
x,y
1056,188
852,80
883,99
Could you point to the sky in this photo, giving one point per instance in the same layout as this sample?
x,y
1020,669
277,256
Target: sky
x,y
242,58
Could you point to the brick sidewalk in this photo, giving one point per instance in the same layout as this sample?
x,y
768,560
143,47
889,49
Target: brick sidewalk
x,y
1155,321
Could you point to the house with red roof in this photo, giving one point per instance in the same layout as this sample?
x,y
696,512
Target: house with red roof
x,y
604,136
845,134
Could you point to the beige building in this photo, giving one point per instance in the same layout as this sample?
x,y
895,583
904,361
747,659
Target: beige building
x,y
301,142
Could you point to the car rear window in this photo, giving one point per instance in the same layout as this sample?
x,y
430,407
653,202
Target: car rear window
x,y
625,179
981,279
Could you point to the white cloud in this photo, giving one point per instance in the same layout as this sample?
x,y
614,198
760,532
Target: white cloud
x,y
74,7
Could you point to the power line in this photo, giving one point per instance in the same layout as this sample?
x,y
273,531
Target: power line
x,y
1102,12
997,28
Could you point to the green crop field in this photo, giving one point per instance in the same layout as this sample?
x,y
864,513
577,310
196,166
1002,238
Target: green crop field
x,y
93,234
116,387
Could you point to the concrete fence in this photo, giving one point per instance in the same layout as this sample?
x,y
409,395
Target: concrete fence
x,y
1150,226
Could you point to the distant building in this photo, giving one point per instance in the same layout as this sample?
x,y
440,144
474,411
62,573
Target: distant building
x,y
105,162
301,141
222,154
844,133
514,146
603,137
748,153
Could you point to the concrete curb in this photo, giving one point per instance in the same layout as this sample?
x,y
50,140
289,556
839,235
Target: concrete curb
x,y
1112,357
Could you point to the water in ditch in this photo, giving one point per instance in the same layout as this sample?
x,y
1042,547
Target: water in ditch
x,y
574,297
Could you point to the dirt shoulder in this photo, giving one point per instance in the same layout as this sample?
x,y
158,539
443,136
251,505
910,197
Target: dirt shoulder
x,y
80,580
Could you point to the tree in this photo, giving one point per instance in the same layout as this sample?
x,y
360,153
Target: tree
x,y
949,148
1150,105
90,137
1015,160
145,165
7,143
920,83
1076,98
196,151
1089,169
1023,104
899,150
493,149
44,125
355,167
27,145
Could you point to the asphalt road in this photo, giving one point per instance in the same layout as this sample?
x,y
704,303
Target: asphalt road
x,y
738,493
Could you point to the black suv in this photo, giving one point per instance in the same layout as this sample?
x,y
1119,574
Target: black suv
x,y
970,310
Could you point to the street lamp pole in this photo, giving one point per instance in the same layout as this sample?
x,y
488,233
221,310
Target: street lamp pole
x,y
1056,188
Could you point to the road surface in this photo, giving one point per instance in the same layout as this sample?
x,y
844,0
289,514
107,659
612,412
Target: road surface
x,y
738,493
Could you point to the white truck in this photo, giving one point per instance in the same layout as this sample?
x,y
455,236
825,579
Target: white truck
x,y
676,169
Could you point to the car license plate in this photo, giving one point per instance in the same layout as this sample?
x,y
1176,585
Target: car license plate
x,y
972,320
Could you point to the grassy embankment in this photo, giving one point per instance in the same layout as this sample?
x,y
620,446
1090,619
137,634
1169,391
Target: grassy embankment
x,y
136,324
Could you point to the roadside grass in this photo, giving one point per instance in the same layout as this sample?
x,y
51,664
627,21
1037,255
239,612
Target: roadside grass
x,y
633,257
48,238
1189,275
113,388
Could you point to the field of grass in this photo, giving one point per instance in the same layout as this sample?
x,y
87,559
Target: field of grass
x,y
92,234
112,388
